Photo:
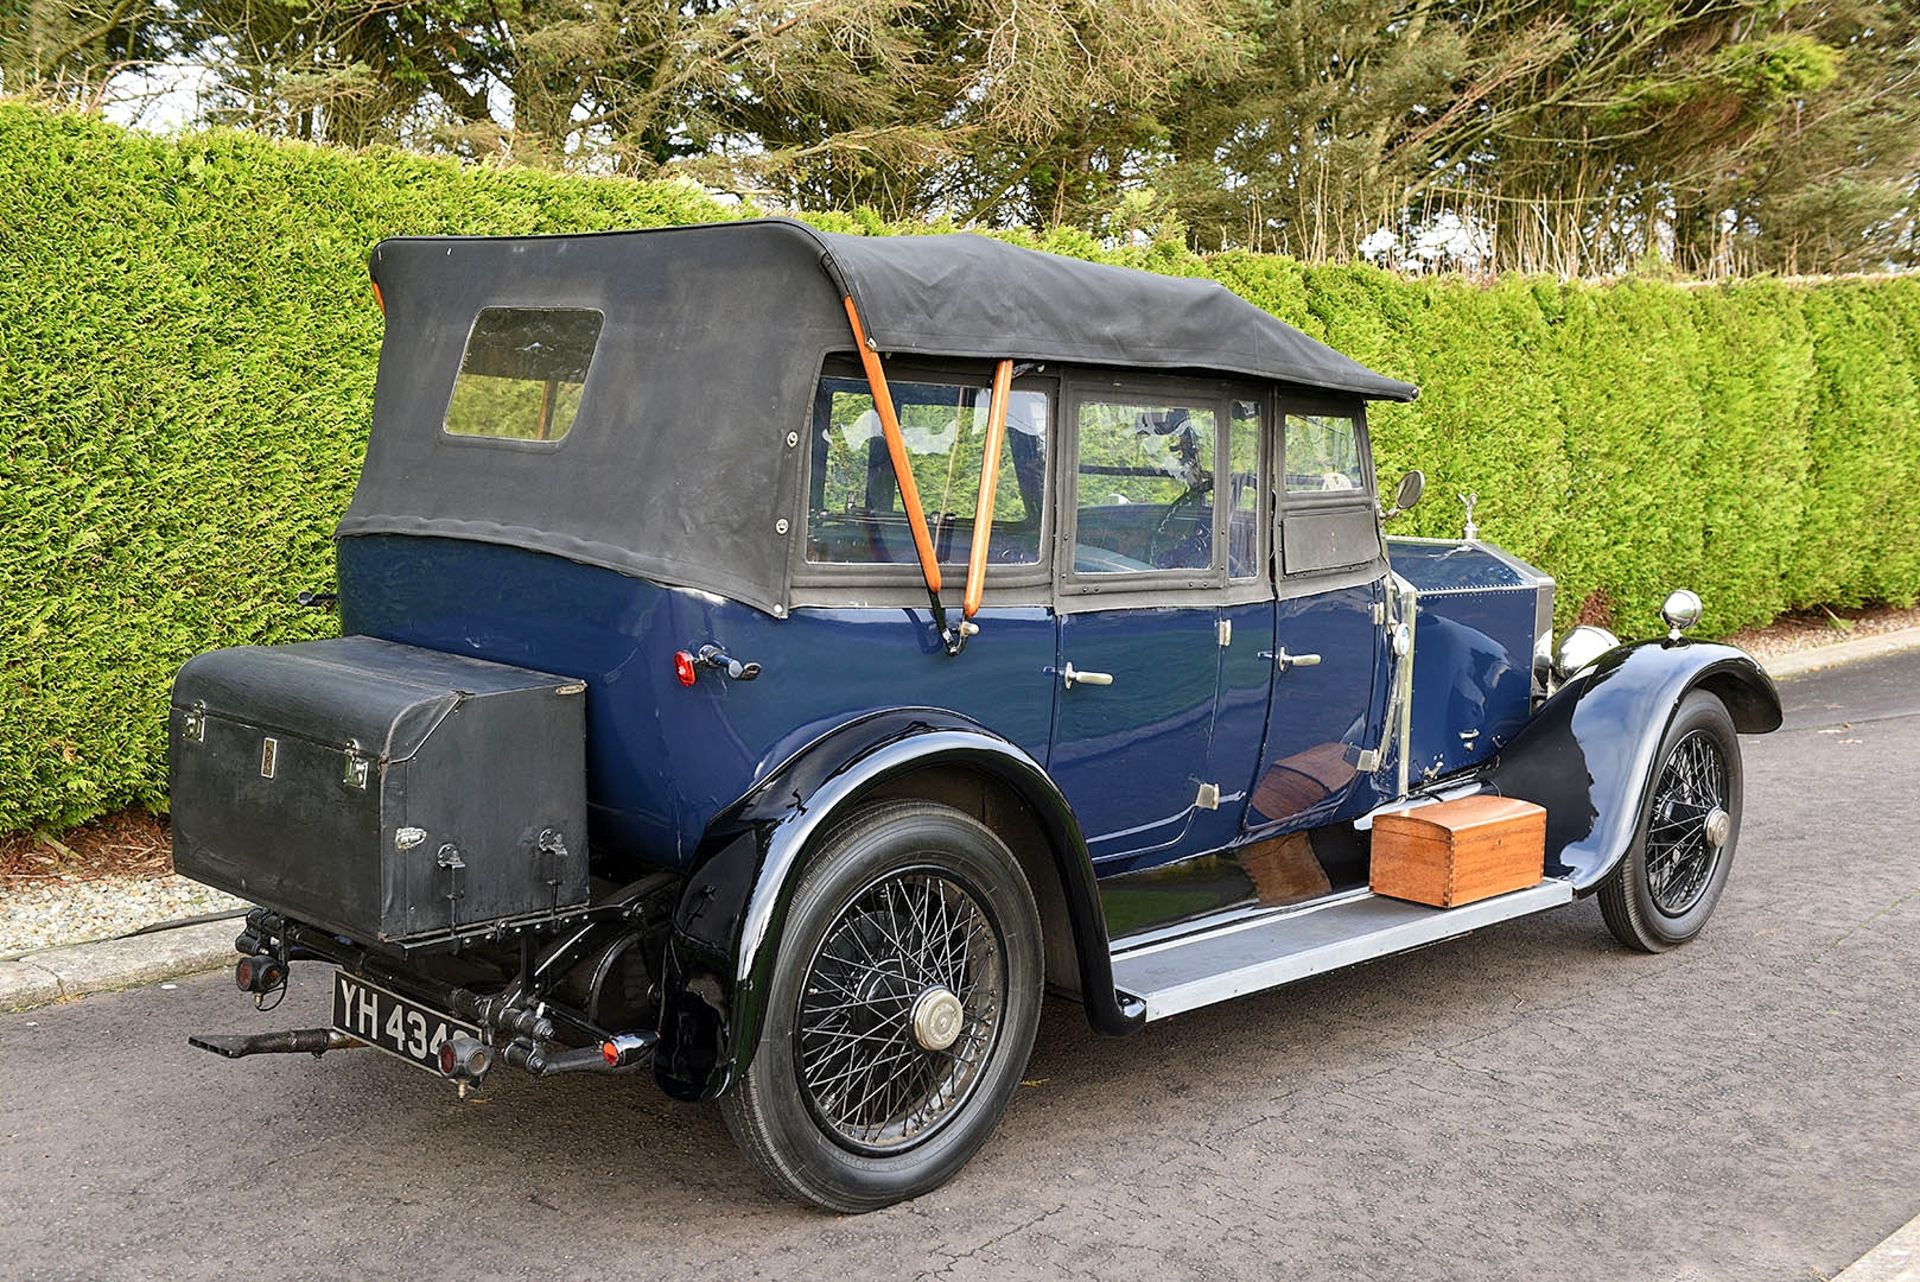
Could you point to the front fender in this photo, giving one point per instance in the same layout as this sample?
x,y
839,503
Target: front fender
x,y
727,929
1588,754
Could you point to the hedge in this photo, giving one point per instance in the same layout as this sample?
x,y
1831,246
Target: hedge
x,y
187,350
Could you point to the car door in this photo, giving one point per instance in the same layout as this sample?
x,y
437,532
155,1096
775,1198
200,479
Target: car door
x,y
1141,570
1245,621
1327,708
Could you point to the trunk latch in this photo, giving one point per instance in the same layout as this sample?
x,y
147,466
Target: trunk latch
x,y
355,773
194,725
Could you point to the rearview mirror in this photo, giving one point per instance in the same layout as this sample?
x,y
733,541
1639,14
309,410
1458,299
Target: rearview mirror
x,y
1412,486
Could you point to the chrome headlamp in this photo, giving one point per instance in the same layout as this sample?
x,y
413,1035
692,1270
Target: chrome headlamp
x,y
1579,648
1680,611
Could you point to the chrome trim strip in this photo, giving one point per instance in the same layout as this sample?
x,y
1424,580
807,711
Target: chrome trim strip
x,y
1365,822
1410,606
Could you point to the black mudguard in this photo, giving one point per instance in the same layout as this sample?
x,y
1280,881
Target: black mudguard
x,y
1588,754
727,929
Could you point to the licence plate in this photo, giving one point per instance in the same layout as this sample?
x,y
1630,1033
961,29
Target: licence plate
x,y
394,1024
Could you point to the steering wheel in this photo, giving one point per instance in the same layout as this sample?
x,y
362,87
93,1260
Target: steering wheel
x,y
1202,489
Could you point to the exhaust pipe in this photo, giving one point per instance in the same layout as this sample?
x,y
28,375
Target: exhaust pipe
x,y
293,1041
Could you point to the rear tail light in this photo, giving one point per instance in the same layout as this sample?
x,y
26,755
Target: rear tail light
x,y
465,1060
259,974
683,670
624,1049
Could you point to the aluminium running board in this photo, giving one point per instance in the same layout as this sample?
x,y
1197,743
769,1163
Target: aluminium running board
x,y
1249,955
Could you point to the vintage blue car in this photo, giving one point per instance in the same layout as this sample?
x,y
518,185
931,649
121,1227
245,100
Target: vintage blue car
x,y
771,658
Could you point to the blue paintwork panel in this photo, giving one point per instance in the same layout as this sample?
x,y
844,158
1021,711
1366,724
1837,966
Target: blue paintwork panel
x,y
1182,710
1472,678
820,668
1323,716
1444,566
1130,757
1239,722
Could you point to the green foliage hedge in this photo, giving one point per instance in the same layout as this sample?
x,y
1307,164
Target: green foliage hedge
x,y
187,350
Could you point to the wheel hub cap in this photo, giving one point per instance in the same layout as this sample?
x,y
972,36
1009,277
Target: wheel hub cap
x,y
1717,825
937,1015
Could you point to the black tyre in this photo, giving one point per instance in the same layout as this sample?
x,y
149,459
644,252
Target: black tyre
x,y
1663,891
901,1011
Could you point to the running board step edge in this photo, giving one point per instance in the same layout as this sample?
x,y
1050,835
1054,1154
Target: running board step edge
x,y
1247,957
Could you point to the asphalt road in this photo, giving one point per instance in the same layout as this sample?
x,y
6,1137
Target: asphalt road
x,y
1529,1102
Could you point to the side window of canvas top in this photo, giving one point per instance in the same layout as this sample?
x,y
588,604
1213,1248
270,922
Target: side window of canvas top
x,y
1323,454
1146,486
523,372
854,512
1150,488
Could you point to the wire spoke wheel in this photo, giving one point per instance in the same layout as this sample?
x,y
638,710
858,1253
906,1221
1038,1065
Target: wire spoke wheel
x,y
1687,826
899,1010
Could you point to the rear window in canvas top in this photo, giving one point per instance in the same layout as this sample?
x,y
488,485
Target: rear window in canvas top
x,y
523,372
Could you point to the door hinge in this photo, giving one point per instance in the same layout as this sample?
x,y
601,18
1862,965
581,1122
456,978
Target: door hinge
x,y
1379,613
1369,761
1224,630
1209,797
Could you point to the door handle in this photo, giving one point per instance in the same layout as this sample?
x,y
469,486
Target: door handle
x,y
1071,675
1282,660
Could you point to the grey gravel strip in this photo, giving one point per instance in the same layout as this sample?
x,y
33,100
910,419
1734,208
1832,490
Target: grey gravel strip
x,y
58,973
1832,656
1895,1260
36,915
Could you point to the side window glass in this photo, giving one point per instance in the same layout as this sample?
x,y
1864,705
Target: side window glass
x,y
1243,496
854,513
1323,454
1145,494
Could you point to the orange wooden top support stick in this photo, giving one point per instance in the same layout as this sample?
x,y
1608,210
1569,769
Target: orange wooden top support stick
x,y
896,450
989,486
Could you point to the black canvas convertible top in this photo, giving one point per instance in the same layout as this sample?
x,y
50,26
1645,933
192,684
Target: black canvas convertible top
x,y
966,295
677,466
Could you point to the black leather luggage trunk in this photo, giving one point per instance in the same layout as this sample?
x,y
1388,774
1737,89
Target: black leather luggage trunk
x,y
390,793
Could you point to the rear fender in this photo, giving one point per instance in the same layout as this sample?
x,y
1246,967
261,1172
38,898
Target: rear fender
x,y
727,928
1588,754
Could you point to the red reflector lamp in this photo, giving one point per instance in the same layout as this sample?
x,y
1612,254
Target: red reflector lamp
x,y
464,1059
623,1049
683,670
259,974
